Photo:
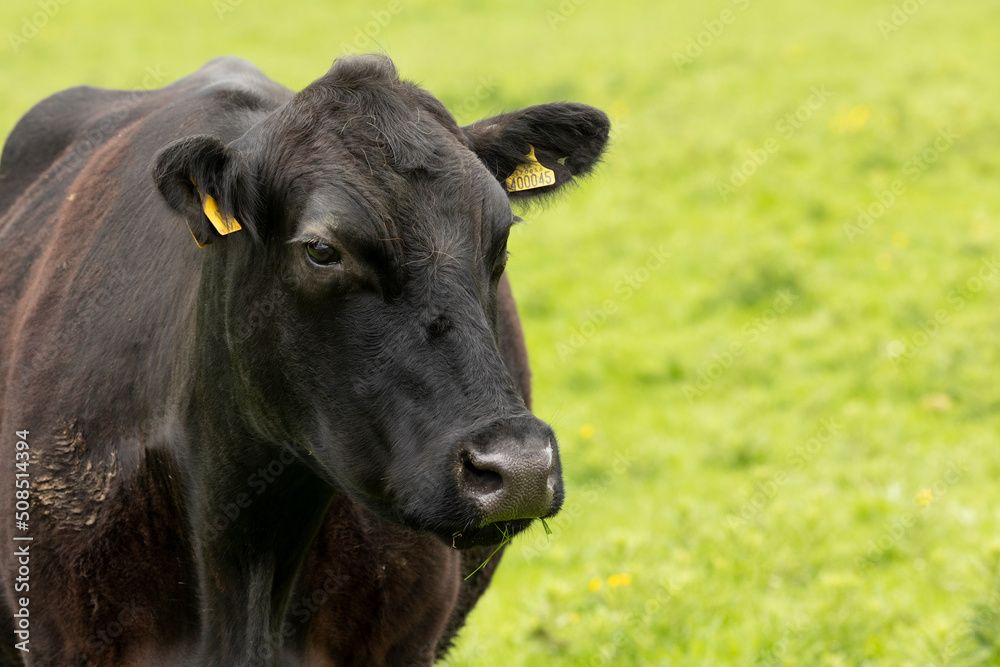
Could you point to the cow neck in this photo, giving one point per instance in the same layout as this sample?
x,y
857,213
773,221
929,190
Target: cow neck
x,y
259,506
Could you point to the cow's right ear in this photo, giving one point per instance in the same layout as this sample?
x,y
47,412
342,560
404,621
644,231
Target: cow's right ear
x,y
536,151
197,178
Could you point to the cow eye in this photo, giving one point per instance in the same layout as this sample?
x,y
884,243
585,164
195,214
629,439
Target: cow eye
x,y
322,254
500,261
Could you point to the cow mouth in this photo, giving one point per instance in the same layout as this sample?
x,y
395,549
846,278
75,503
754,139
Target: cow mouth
x,y
490,534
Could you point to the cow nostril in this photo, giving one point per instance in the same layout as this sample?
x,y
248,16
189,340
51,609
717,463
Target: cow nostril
x,y
478,481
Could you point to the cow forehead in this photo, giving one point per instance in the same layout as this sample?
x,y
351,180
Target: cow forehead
x,y
455,213
362,152
379,119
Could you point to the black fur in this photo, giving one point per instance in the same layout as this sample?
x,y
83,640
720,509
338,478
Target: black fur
x,y
241,457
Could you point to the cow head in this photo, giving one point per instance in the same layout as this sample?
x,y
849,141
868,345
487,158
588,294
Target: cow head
x,y
358,301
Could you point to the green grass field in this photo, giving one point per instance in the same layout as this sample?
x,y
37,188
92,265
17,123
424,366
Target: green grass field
x,y
778,414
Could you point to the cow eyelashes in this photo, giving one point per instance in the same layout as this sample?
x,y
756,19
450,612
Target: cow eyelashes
x,y
322,254
500,262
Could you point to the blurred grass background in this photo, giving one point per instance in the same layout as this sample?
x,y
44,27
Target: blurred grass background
x,y
778,421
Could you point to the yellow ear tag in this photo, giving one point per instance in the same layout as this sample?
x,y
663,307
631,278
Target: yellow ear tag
x,y
200,244
222,225
530,174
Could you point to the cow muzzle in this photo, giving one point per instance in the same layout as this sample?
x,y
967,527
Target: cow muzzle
x,y
510,470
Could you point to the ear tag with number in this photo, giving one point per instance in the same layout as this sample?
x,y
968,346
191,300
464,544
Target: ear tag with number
x,y
223,225
530,174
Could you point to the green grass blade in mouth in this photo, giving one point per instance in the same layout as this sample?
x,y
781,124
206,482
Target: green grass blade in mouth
x,y
506,539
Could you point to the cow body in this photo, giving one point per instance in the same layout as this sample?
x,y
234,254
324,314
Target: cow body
x,y
234,449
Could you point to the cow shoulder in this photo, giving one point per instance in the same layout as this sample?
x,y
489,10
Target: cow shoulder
x,y
225,86
44,133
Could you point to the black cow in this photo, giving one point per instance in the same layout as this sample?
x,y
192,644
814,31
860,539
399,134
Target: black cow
x,y
274,449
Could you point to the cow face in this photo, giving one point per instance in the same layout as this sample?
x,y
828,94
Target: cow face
x,y
359,298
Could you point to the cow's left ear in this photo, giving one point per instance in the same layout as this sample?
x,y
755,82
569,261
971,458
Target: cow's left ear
x,y
536,151
198,177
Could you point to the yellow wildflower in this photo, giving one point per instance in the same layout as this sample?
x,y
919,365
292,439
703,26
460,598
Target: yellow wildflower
x,y
616,580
